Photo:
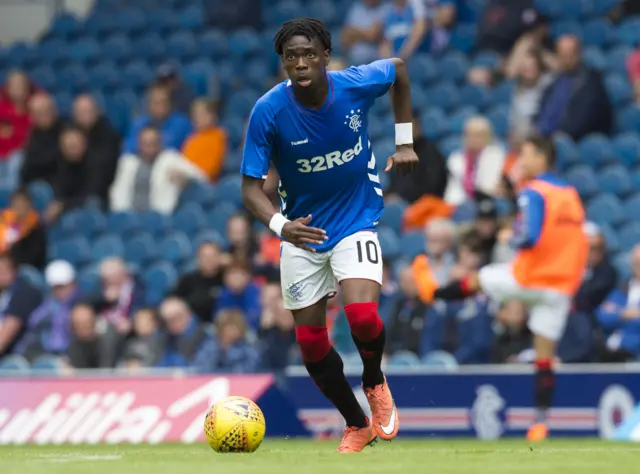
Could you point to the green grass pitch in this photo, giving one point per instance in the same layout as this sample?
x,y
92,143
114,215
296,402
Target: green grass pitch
x,y
319,457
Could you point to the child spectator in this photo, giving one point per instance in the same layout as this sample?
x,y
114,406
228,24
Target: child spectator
x,y
207,147
239,292
146,346
21,232
85,349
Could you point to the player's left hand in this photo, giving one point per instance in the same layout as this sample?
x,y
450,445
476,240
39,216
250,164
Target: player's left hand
x,y
404,159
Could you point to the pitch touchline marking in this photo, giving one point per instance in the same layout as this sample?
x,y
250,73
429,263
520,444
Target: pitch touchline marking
x,y
44,458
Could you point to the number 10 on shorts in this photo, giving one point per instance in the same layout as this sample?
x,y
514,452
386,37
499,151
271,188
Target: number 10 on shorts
x,y
368,250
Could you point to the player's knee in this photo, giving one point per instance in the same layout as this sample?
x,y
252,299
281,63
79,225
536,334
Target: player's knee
x,y
364,321
314,342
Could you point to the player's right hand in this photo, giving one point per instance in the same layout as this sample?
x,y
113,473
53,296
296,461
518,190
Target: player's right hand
x,y
297,233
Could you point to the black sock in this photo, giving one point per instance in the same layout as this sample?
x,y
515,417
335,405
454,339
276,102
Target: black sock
x,y
329,376
371,355
544,388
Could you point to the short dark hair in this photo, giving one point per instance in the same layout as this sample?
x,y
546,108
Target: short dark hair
x,y
70,128
23,193
312,28
544,146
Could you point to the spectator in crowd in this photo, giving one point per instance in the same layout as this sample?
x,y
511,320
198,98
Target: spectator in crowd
x,y
440,240
485,227
174,127
362,31
48,326
18,299
15,124
266,263
242,244
180,92
153,178
633,67
207,147
103,140
478,166
201,288
41,153
619,316
277,332
468,257
600,278
407,316
185,335
469,329
576,103
81,176
229,351
22,233
531,82
145,348
240,292
512,336
85,349
430,179
404,28
121,294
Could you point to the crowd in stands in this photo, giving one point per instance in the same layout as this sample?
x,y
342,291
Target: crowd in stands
x,y
101,221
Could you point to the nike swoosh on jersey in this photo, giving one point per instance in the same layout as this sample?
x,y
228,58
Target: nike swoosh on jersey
x,y
390,428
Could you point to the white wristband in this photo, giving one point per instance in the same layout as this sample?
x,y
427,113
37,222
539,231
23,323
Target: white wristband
x,y
277,222
404,133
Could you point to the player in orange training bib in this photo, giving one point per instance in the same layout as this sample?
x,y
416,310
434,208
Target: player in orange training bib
x,y
545,273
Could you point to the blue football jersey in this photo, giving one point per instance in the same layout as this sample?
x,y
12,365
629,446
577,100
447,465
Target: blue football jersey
x,y
323,156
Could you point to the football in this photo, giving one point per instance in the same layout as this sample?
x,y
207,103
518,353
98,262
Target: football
x,y
234,425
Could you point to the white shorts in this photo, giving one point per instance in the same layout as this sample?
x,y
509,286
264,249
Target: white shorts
x,y
308,277
549,309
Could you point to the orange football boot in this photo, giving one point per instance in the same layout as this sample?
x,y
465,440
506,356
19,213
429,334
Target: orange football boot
x,y
383,411
355,439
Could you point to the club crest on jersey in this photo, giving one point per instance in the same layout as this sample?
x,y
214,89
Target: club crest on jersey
x,y
353,120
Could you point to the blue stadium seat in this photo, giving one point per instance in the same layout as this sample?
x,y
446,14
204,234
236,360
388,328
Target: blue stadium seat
x,y
412,244
209,236
213,44
75,250
141,250
595,58
189,219
444,96
283,11
47,364
419,98
392,216
622,264
465,212
89,280
244,42
202,194
629,236
84,50
458,118
597,32
83,222
618,89
73,77
453,67
64,102
499,118
53,51
627,148
100,25
628,119
229,190
404,359
132,22
475,96
199,75
615,179
161,20
617,59
153,222
440,359
137,74
117,48
423,69
44,77
159,279
389,242
627,33
5,197
606,209
487,59
501,94
151,47
325,11
567,27
175,248
65,26
15,364
218,217
632,208
450,144
107,246
192,18
41,194
584,180
433,123
105,76
611,238
567,152
182,46
33,276
382,150
596,150
463,38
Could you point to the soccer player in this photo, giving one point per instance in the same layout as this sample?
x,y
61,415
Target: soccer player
x,y
313,128
545,273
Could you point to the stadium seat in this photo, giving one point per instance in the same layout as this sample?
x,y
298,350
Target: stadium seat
x,y
487,59
389,242
622,264
463,38
182,46
597,32
213,44
65,26
444,96
41,194
617,59
423,69
404,359
595,58
629,236
117,48
323,10
568,27
244,42
499,118
419,98
618,89
47,364
458,118
73,77
440,359
75,250
53,51
433,123
83,222
151,47
453,67
611,238
229,190
209,236
124,224
175,248
596,150
628,33
475,96
141,250
189,219
584,180
99,25
382,150
84,50
161,20
392,216
626,147
450,144
89,280
283,11
615,179
33,276
192,18
159,279
218,217
628,119
106,246
465,212
45,77
153,223
137,75
632,207
132,21
606,209
14,363
412,244
105,76
501,94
